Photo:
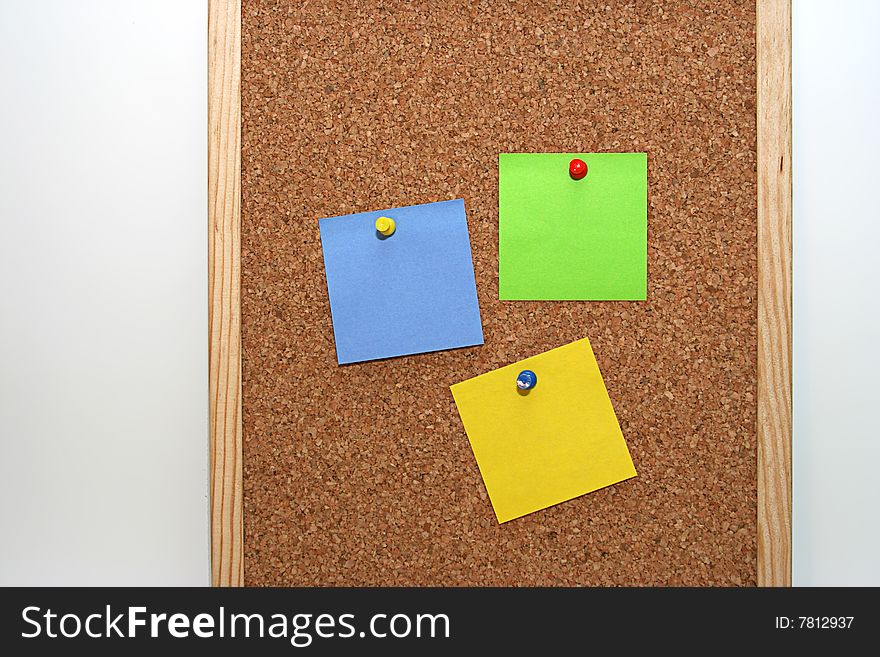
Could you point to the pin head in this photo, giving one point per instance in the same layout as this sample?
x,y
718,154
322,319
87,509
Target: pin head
x,y
526,380
577,168
385,226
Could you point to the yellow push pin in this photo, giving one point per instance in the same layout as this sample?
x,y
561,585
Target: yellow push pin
x,y
385,226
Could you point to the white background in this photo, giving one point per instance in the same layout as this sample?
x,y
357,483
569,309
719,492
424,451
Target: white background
x,y
836,450
103,292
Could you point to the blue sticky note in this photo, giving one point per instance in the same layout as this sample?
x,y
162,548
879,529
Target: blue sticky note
x,y
409,293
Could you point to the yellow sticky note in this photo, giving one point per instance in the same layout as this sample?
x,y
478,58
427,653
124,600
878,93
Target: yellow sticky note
x,y
550,444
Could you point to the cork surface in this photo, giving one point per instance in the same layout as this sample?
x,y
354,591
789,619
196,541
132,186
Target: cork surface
x,y
362,474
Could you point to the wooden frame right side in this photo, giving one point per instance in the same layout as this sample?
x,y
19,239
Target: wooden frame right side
x,y
774,291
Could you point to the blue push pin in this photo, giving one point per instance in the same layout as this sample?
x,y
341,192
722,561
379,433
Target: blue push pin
x,y
526,380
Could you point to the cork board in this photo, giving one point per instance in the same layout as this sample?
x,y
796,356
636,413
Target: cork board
x,y
362,475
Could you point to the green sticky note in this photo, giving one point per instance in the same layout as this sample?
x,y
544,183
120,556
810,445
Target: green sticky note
x,y
565,239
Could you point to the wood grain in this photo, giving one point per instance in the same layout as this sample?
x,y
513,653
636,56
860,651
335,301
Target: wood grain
x,y
224,290
774,292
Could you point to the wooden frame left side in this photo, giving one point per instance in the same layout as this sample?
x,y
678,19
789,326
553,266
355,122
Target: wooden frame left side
x,y
224,290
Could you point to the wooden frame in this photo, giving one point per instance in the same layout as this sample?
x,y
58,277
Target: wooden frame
x,y
774,290
224,290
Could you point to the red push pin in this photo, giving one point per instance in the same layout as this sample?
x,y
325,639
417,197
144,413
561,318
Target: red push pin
x,y
577,168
